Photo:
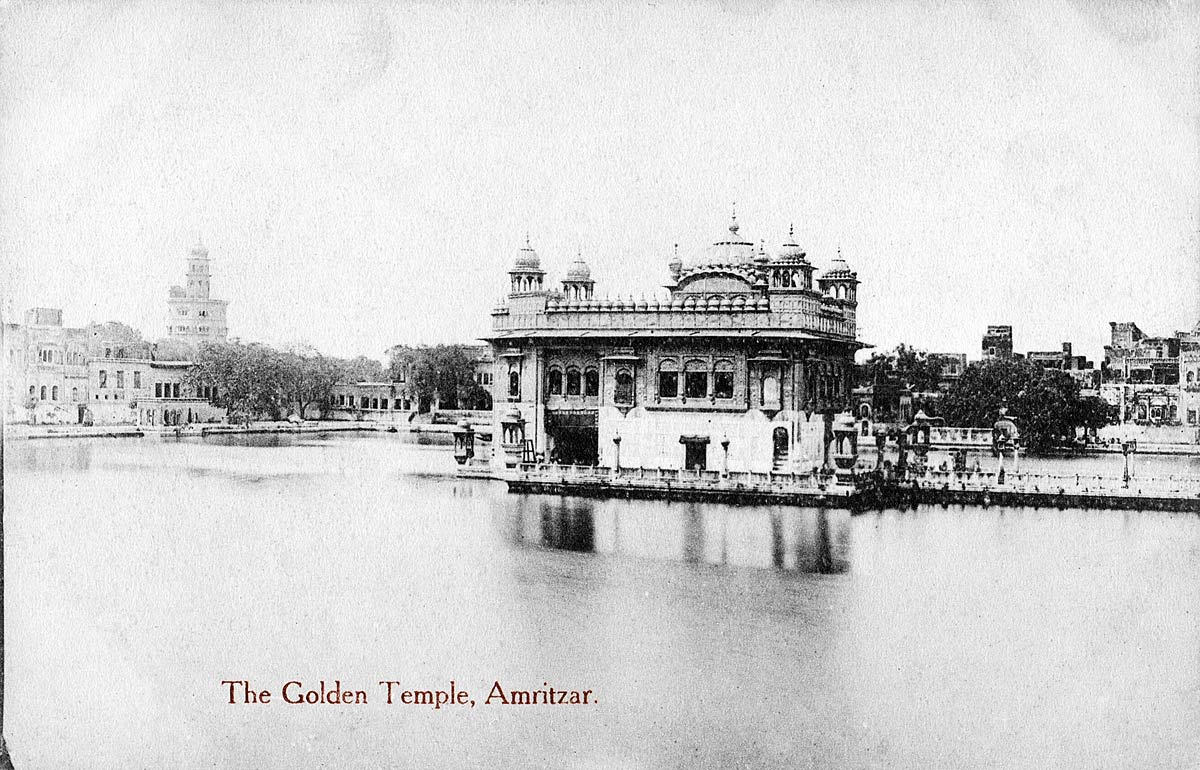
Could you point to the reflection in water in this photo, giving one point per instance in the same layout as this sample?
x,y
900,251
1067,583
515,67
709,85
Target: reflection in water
x,y
567,525
948,637
787,539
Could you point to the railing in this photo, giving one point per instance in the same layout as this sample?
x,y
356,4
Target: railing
x,y
1067,483
736,480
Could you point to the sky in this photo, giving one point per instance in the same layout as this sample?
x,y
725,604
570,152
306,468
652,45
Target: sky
x,y
363,174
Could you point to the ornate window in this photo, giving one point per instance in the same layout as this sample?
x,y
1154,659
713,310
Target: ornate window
x,y
623,393
723,380
591,382
103,379
1191,376
695,383
43,393
74,394
54,394
514,384
668,379
554,382
573,382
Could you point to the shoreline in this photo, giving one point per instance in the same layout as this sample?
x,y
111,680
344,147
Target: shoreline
x,y
24,432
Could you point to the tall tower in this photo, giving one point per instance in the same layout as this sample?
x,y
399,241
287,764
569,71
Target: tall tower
x,y
199,272
192,314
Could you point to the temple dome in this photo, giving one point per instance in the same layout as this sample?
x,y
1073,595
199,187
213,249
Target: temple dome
x,y
838,268
527,258
791,251
729,248
579,271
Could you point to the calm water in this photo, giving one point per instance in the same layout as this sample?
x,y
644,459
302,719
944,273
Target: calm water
x,y
140,574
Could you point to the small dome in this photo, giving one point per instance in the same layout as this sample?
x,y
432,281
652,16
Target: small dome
x,y
199,250
838,268
791,251
527,258
579,271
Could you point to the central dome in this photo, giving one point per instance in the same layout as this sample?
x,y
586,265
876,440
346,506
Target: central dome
x,y
729,248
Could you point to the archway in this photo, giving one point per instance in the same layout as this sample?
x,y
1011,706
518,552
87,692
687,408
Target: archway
x,y
779,444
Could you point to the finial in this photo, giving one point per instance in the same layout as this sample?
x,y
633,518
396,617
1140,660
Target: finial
x,y
791,227
733,225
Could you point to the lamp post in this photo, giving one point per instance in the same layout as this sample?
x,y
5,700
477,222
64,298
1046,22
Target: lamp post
x,y
725,457
617,454
1127,448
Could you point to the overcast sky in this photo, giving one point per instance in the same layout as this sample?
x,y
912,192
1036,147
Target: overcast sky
x,y
363,174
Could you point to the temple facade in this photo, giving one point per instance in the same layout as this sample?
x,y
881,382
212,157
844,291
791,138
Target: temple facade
x,y
740,366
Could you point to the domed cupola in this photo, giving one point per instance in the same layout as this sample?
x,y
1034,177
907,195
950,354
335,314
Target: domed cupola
x,y
791,251
675,266
578,283
839,281
526,274
790,269
527,259
729,248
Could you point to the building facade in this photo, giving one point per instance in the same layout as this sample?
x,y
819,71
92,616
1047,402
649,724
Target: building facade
x,y
739,367
998,342
193,315
101,374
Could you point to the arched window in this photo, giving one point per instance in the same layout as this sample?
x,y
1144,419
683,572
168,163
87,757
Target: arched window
x,y
623,393
723,380
32,390
573,382
54,393
42,395
514,384
1191,375
74,394
770,390
554,382
695,380
591,382
668,379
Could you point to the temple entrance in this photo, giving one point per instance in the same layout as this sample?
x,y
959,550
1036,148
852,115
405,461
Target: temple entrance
x,y
574,437
695,452
574,446
779,441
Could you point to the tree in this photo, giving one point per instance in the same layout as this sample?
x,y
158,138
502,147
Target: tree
x,y
167,349
1045,403
308,377
442,376
905,366
249,378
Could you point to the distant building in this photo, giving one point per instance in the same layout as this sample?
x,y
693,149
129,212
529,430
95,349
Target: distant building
x,y
951,365
1141,375
998,342
193,316
99,373
379,401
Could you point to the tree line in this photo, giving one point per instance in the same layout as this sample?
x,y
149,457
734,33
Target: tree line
x,y
255,380
1046,403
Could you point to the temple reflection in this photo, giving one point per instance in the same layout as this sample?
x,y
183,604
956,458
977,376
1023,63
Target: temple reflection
x,y
804,540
